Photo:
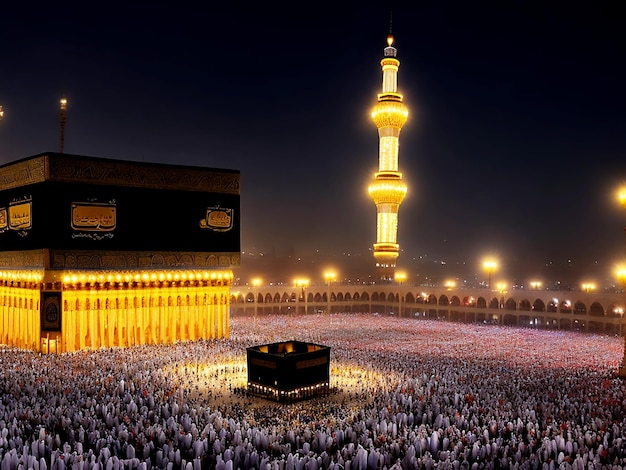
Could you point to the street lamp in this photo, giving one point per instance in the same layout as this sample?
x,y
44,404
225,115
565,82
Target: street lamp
x,y
329,276
535,285
256,283
400,277
449,285
489,266
588,287
303,284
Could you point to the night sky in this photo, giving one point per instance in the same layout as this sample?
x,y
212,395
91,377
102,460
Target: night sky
x,y
514,147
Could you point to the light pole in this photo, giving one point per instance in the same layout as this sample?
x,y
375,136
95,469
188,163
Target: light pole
x,y
489,266
400,277
329,276
256,283
303,284
588,287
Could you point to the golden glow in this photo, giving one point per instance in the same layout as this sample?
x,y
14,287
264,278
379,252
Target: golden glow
x,y
501,286
330,276
400,277
301,282
620,274
588,286
536,285
387,191
621,196
388,160
490,265
1,113
450,285
70,278
387,228
107,309
390,114
21,276
257,282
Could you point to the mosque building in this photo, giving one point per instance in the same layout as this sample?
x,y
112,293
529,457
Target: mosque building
x,y
108,253
387,190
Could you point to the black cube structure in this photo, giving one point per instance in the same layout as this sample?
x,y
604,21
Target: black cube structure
x,y
289,370
99,253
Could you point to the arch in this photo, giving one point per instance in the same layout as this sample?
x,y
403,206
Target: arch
x,y
432,299
339,297
455,301
356,297
551,306
494,303
348,297
250,297
409,298
596,309
481,302
580,308
525,305
260,298
375,297
365,297
510,304
443,300
320,298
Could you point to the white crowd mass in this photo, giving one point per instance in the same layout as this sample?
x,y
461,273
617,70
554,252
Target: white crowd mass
x,y
406,394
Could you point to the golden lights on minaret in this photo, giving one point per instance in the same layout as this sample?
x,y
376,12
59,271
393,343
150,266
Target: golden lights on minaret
x,y
387,189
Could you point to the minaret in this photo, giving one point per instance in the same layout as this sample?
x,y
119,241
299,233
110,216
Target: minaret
x,y
387,190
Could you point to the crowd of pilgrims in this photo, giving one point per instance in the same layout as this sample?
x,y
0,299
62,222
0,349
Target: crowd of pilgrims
x,y
405,394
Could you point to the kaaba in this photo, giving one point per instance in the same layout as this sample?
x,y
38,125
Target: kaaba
x,y
288,371
98,252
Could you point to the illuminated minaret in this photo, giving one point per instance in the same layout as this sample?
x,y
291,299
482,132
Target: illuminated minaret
x,y
387,190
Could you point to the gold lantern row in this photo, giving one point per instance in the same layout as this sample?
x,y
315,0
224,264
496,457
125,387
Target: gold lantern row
x,y
85,310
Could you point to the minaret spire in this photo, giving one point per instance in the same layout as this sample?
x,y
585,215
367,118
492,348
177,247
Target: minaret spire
x,y
387,190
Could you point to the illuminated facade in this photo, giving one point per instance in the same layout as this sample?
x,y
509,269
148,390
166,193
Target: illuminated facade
x,y
387,190
106,253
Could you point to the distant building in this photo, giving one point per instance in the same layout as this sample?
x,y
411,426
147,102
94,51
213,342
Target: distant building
x,y
387,190
109,253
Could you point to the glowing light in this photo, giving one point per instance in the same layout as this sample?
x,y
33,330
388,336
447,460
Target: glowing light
x,y
301,282
400,277
536,285
257,282
588,286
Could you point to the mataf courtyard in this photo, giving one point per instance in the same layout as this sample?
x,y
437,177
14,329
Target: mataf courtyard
x,y
404,393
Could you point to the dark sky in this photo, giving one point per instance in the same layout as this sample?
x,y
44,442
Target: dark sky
x,y
514,146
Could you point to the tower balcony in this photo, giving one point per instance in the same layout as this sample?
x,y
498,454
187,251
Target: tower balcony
x,y
390,113
387,191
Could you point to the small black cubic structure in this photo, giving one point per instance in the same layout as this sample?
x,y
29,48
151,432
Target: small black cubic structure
x,y
288,371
